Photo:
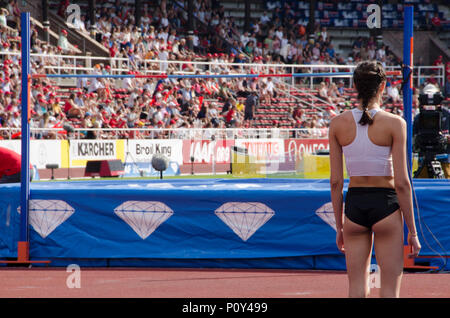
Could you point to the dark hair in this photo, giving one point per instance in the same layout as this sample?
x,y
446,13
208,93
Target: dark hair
x,y
368,76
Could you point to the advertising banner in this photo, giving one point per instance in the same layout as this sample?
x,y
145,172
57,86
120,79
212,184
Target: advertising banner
x,y
296,148
42,152
207,151
263,150
93,149
142,150
80,151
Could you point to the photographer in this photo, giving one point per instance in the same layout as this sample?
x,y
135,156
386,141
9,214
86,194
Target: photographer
x,y
431,129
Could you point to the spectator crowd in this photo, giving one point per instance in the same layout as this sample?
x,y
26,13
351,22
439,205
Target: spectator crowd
x,y
274,38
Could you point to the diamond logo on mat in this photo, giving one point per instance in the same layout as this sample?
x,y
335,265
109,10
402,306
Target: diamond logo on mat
x,y
46,215
144,217
326,213
244,218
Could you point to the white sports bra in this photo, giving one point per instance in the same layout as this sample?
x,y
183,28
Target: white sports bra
x,y
362,156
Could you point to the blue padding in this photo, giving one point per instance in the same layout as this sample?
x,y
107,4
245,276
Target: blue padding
x,y
276,223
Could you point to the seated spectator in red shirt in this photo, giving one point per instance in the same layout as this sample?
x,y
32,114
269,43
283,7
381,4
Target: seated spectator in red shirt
x,y
230,116
438,61
436,22
119,120
71,109
10,166
298,116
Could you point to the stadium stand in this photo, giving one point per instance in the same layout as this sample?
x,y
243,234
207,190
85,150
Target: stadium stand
x,y
163,34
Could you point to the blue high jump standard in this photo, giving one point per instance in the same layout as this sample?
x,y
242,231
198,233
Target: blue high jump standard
x,y
22,245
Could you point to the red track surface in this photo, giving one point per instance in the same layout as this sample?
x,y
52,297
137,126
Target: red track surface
x,y
200,283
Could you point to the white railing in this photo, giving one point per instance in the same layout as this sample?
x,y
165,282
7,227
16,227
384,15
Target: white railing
x,y
172,133
69,64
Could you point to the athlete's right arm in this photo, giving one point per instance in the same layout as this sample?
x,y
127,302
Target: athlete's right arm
x,y
402,182
336,181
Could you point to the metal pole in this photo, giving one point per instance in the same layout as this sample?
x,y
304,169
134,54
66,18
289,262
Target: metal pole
x,y
408,49
23,243
247,15
378,32
138,13
92,18
311,20
46,22
190,24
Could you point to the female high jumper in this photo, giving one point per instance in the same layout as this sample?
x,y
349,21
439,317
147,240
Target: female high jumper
x,y
379,195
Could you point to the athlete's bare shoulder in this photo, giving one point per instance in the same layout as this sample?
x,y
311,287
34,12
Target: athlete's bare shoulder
x,y
393,118
392,122
341,119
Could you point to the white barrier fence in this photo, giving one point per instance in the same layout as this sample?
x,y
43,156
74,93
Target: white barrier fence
x,y
167,133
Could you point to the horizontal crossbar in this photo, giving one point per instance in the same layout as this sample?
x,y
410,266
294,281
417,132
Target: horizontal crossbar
x,y
174,76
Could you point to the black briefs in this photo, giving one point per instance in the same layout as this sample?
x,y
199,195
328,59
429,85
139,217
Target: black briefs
x,y
367,206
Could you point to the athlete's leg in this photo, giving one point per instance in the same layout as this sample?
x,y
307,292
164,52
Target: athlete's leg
x,y
388,237
358,252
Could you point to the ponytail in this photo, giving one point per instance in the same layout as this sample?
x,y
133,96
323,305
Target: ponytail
x,y
368,77
366,118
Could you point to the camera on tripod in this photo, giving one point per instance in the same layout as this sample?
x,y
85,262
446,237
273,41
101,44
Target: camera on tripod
x,y
429,140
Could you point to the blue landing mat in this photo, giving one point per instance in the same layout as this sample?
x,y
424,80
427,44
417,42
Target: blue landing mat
x,y
248,223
